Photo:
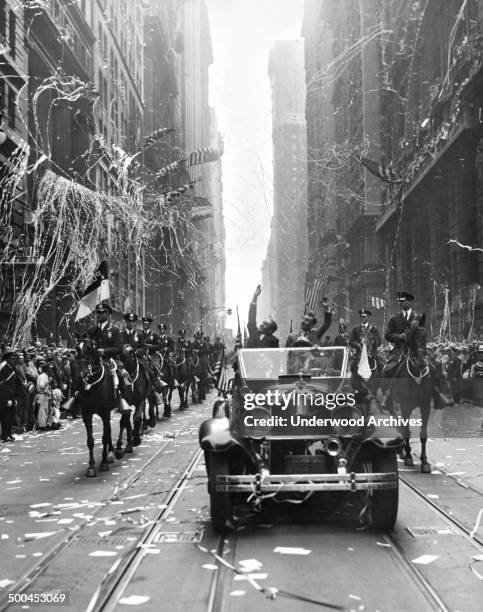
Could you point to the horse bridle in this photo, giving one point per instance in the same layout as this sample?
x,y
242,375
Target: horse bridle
x,y
136,376
89,385
422,373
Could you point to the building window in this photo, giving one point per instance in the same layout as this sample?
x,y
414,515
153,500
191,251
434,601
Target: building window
x,y
12,32
12,94
3,22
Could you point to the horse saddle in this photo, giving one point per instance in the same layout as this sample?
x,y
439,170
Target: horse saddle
x,y
390,368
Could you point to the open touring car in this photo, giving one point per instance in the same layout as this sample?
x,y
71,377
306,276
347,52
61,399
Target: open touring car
x,y
293,426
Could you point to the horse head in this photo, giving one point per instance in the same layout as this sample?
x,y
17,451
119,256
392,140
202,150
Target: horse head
x,y
87,350
416,339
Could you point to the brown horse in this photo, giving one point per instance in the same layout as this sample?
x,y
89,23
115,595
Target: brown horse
x,y
95,393
410,383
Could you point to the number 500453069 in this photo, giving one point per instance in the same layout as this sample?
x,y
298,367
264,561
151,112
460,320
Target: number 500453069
x,y
40,597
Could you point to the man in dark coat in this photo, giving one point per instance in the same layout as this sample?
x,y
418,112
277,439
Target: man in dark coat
x,y
309,334
8,386
260,336
107,338
165,340
397,327
129,334
368,333
342,337
150,342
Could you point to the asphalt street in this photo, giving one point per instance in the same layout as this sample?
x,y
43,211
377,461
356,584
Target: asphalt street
x,y
139,537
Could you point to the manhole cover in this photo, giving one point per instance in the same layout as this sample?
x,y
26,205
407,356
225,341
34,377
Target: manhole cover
x,y
14,509
170,537
116,540
421,532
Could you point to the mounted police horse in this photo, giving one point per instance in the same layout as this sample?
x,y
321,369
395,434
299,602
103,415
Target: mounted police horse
x,y
182,373
410,383
95,395
165,375
137,389
201,375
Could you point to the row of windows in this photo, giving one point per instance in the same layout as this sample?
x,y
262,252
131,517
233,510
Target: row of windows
x,y
8,105
8,29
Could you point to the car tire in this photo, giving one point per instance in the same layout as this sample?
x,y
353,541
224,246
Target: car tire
x,y
384,501
220,503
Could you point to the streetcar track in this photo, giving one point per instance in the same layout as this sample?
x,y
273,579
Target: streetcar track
x,y
32,574
457,479
475,540
219,580
107,599
422,583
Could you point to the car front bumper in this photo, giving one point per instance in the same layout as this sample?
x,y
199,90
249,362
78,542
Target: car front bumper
x,y
305,483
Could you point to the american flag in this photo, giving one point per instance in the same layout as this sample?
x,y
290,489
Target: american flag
x,y
378,302
312,295
386,173
150,139
222,374
203,155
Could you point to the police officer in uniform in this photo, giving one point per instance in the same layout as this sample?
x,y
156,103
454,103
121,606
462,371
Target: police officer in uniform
x,y
8,385
165,340
397,327
367,333
107,337
150,342
183,342
129,334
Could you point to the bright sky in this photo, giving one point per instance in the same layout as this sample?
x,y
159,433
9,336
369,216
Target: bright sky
x,y
243,32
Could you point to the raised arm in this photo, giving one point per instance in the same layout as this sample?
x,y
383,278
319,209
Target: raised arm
x,y
252,314
320,331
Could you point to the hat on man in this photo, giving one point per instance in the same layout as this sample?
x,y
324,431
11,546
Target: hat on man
x,y
181,332
162,326
130,316
8,351
365,311
270,321
103,307
147,317
402,296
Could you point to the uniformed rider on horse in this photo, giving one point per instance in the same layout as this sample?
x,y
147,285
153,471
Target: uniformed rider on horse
x,y
150,342
108,343
396,334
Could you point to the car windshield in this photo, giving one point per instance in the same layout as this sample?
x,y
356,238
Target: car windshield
x,y
315,361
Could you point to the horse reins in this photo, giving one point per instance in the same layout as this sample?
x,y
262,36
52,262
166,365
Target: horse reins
x,y
89,386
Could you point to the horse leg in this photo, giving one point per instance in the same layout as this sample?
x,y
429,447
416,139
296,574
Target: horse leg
x,y
122,426
166,402
425,466
107,448
181,396
151,399
138,423
91,470
145,420
408,460
119,439
129,443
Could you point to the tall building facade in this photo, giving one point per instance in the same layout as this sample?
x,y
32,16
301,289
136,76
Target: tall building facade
x,y
399,84
103,76
287,250
343,120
